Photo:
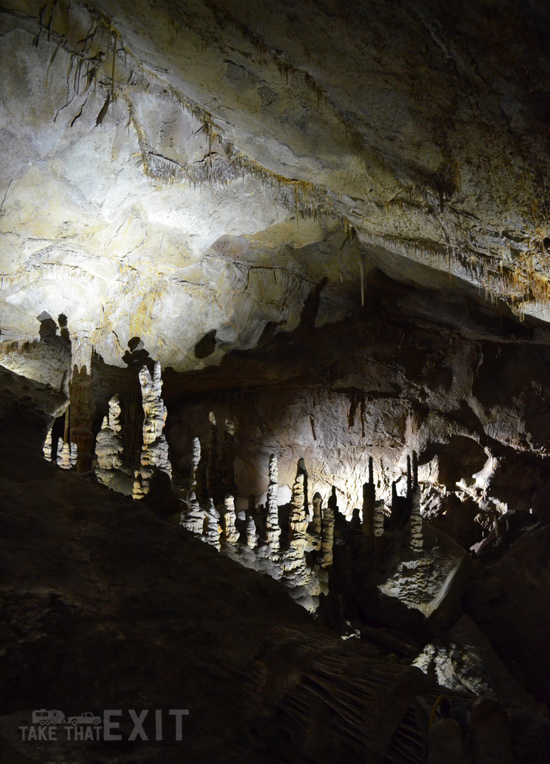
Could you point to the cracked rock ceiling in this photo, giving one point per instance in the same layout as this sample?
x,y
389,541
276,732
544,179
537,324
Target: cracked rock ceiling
x,y
173,169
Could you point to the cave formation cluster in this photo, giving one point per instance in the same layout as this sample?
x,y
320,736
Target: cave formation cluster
x,y
277,281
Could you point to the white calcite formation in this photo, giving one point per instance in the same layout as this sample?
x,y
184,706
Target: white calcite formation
x,y
212,532
251,533
48,445
294,558
193,518
195,461
229,518
64,460
154,453
109,447
273,530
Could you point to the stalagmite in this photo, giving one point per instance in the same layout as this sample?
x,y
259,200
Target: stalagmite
x,y
251,533
212,487
416,521
109,447
327,539
154,454
294,558
229,519
416,517
272,521
195,461
302,470
193,519
48,445
212,532
369,500
317,520
228,457
73,455
81,412
64,454
379,518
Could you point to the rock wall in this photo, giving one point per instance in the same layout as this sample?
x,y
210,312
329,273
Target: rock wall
x,y
381,388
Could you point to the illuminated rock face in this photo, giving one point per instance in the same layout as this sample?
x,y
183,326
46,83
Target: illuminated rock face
x,y
175,150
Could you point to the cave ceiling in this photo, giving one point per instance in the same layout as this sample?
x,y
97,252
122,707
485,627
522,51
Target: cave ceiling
x,y
188,173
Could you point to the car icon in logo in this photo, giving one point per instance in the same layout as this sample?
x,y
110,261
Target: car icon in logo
x,y
43,716
86,718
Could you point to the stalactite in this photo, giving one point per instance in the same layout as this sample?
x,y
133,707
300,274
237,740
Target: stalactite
x,y
229,519
272,520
